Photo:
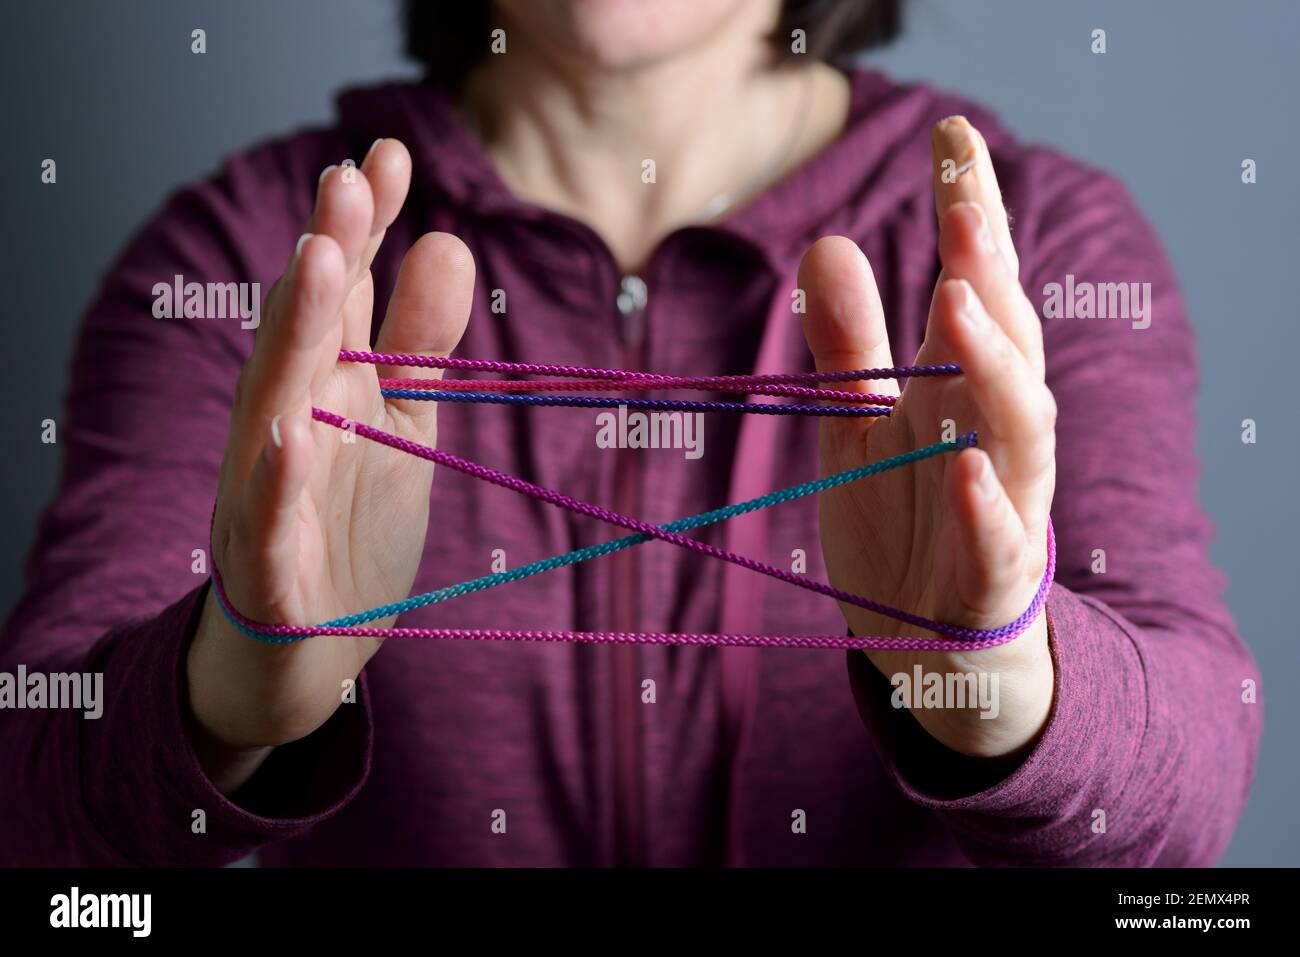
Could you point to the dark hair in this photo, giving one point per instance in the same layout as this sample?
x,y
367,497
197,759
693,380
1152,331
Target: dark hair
x,y
450,38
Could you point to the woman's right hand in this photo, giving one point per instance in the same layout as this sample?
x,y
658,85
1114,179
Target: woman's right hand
x,y
310,526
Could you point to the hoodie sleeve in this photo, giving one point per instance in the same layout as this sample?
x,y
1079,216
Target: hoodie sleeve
x,y
1150,748
117,575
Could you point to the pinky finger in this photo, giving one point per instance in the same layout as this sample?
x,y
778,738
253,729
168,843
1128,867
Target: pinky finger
x,y
991,555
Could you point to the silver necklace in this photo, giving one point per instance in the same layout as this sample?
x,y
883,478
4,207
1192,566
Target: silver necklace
x,y
725,201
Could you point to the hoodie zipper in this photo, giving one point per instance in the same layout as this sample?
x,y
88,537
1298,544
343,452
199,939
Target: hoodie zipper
x,y
629,812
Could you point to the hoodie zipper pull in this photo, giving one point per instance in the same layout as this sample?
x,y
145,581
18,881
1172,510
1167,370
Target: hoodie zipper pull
x,y
631,303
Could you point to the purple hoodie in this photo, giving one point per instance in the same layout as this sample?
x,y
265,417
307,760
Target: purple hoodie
x,y
1148,726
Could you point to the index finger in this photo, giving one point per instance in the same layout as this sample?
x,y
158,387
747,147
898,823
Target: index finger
x,y
963,172
295,348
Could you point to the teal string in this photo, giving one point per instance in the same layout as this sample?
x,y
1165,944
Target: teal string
x,y
681,525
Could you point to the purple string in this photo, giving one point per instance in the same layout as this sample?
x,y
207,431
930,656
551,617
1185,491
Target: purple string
x,y
977,637
614,402
695,383
957,638
614,375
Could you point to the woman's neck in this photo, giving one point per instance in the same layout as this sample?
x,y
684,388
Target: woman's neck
x,y
639,153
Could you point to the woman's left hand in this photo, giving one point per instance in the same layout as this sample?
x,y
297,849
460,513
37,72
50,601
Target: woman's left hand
x,y
956,538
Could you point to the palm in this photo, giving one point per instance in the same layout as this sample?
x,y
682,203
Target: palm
x,y
313,523
889,537
362,515
361,510
959,538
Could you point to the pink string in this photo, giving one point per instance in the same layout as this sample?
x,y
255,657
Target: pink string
x,y
706,383
958,638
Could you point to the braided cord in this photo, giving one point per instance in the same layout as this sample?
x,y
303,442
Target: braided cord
x,y
696,383
975,638
685,524
615,375
610,402
954,637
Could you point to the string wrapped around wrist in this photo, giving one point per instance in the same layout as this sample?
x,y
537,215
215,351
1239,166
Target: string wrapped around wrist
x,y
951,637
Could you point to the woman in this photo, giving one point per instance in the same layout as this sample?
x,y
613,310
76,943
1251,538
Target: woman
x,y
686,187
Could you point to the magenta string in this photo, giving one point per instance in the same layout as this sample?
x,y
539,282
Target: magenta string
x,y
902,643
614,375
955,637
700,383
958,638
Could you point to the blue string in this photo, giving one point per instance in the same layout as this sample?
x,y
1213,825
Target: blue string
x,y
966,440
610,402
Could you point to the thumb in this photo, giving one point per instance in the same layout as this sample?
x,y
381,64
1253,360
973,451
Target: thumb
x,y
844,326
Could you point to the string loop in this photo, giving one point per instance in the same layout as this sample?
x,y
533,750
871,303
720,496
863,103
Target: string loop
x,y
952,637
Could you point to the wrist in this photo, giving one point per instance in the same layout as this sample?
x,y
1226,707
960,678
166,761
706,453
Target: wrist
x,y
1018,689
227,763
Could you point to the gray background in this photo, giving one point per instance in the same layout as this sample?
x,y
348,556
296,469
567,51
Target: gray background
x,y
1187,89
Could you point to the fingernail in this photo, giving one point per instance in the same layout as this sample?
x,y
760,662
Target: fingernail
x,y
302,241
983,233
987,482
325,172
372,147
971,311
275,433
957,142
